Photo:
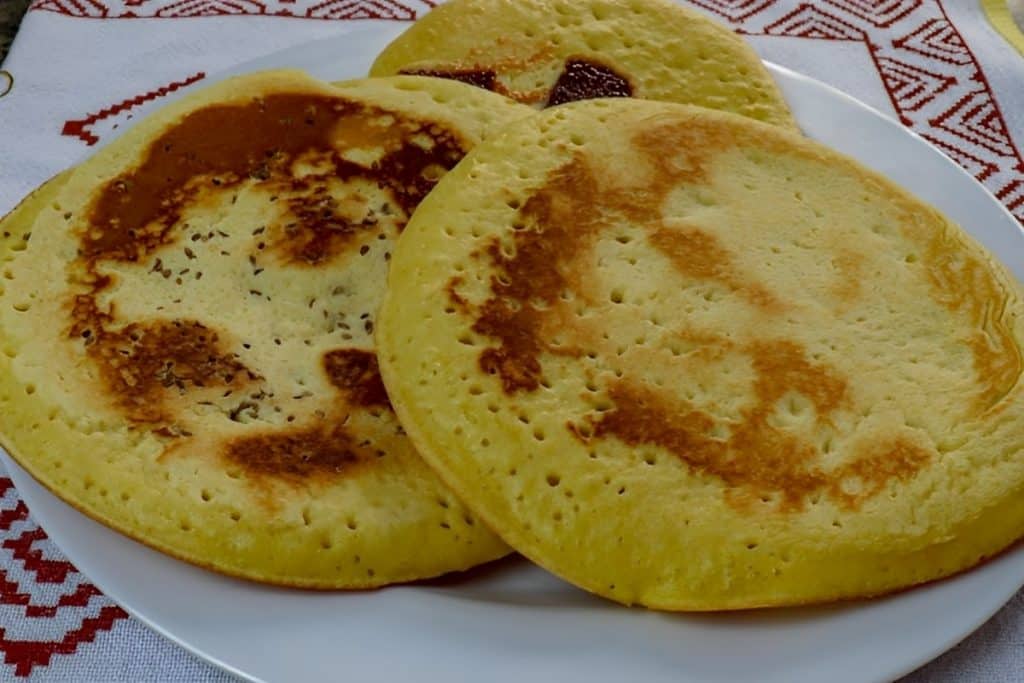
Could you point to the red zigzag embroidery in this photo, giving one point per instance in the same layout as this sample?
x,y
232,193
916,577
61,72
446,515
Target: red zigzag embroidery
x,y
9,517
79,128
11,595
25,654
46,571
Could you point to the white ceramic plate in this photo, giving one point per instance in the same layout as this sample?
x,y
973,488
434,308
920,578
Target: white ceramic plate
x,y
513,621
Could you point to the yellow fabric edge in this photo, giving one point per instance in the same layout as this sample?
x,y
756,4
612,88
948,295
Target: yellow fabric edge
x,y
998,13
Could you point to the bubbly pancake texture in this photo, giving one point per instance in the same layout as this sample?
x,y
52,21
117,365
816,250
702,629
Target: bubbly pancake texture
x,y
695,362
548,52
188,347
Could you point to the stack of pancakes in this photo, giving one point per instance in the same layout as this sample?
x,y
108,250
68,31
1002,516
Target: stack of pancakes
x,y
559,276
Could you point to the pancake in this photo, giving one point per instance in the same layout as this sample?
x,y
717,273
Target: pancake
x,y
15,227
188,337
694,362
546,52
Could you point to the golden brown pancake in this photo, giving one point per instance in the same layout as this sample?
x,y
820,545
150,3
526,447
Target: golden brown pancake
x,y
690,361
548,52
188,347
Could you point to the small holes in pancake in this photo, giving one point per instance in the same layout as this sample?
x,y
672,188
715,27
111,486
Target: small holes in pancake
x,y
30,389
326,543
206,496
553,480
235,516
307,517
185,525
351,524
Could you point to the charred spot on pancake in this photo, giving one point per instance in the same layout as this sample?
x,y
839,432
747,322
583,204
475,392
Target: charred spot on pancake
x,y
260,142
581,78
322,156
355,373
699,254
481,78
452,290
145,363
757,456
870,471
584,78
319,228
558,218
488,70
562,219
299,454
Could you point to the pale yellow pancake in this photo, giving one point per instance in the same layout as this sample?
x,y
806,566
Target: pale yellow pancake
x,y
691,361
188,338
545,52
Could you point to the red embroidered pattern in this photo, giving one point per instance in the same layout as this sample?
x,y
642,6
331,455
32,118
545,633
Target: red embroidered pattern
x,y
80,127
407,10
919,55
76,598
807,21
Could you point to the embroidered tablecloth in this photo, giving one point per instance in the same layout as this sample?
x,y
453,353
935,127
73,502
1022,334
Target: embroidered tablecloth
x,y
79,69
